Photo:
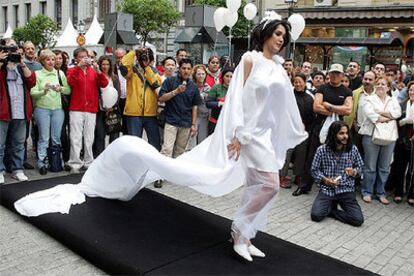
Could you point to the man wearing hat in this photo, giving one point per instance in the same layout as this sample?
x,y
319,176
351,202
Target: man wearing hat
x,y
330,98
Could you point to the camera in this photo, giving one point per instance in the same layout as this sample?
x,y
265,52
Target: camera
x,y
142,55
11,50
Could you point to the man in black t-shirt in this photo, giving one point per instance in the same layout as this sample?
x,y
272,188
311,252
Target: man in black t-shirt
x,y
330,98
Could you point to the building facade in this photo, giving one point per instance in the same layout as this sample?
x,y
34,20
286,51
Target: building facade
x,y
361,21
17,12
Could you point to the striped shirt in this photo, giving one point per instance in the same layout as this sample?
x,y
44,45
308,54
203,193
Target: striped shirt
x,y
328,163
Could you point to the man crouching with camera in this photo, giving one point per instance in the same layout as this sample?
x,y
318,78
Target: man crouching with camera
x,y
16,80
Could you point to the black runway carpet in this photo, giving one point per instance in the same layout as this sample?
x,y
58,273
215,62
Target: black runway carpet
x,y
154,234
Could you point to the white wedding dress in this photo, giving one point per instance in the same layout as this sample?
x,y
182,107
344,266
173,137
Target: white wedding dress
x,y
261,112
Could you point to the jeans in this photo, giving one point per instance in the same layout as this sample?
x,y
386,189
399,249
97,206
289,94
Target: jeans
x,y
49,123
17,131
325,205
136,125
377,160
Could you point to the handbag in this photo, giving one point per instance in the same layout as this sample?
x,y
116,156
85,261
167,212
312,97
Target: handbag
x,y
55,158
113,121
385,133
325,127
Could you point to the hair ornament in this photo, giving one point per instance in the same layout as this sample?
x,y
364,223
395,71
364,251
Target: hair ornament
x,y
269,17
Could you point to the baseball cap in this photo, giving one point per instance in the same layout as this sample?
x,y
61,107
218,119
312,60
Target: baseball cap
x,y
336,67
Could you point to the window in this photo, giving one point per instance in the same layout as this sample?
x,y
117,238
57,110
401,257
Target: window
x,y
43,7
104,8
5,19
58,12
75,12
189,2
16,15
28,11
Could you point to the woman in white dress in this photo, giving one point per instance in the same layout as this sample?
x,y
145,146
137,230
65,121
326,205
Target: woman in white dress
x,y
258,123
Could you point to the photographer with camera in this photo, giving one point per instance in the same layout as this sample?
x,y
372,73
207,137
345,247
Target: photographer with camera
x,y
48,112
84,79
141,104
15,106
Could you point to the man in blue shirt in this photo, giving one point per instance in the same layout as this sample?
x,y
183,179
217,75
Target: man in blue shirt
x,y
181,97
334,168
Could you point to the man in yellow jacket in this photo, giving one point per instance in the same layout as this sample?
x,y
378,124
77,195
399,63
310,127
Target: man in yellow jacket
x,y
143,83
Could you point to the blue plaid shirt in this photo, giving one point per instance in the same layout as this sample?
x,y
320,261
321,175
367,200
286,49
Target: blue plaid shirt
x,y
328,163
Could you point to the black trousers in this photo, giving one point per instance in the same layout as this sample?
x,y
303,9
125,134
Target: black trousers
x,y
325,206
314,143
403,157
121,106
100,134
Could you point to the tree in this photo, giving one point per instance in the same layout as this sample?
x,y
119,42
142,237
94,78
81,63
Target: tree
x,y
241,28
41,30
151,16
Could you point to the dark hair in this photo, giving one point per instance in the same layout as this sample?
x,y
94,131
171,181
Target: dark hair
x,y
167,58
102,59
411,83
346,75
79,50
319,73
354,61
376,63
391,70
260,34
186,61
64,67
180,50
226,70
300,75
333,131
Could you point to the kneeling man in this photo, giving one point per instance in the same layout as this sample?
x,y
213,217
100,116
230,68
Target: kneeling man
x,y
334,168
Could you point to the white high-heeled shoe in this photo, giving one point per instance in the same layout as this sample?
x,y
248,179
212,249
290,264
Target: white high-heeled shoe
x,y
255,252
242,250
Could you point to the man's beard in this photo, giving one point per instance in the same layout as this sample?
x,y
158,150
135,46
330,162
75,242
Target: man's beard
x,y
341,142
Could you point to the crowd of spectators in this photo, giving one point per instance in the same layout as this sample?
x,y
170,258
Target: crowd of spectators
x,y
177,104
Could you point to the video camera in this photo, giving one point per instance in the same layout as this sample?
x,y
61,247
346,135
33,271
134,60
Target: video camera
x,y
144,55
12,54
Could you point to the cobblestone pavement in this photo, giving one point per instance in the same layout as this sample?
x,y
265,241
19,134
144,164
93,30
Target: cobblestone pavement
x,y
384,244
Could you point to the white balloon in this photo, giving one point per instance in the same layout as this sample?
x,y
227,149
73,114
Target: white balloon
x,y
109,96
250,11
219,16
233,5
298,25
403,68
230,18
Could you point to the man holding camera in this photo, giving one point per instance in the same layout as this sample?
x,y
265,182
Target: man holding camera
x,y
15,106
84,79
141,104
181,97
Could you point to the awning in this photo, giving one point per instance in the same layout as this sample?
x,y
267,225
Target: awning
x,y
345,41
200,35
127,38
320,13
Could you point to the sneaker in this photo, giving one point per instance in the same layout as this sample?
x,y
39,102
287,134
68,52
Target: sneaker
x,y
75,170
19,176
1,178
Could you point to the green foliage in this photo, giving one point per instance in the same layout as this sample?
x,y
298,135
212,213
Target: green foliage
x,y
151,15
241,28
41,30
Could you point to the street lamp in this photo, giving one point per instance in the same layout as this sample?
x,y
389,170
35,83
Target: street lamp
x,y
292,4
81,30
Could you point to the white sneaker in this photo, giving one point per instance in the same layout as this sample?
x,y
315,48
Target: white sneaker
x,y
1,178
19,176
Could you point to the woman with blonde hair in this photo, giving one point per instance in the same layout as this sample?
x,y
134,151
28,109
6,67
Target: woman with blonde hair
x,y
379,109
48,112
